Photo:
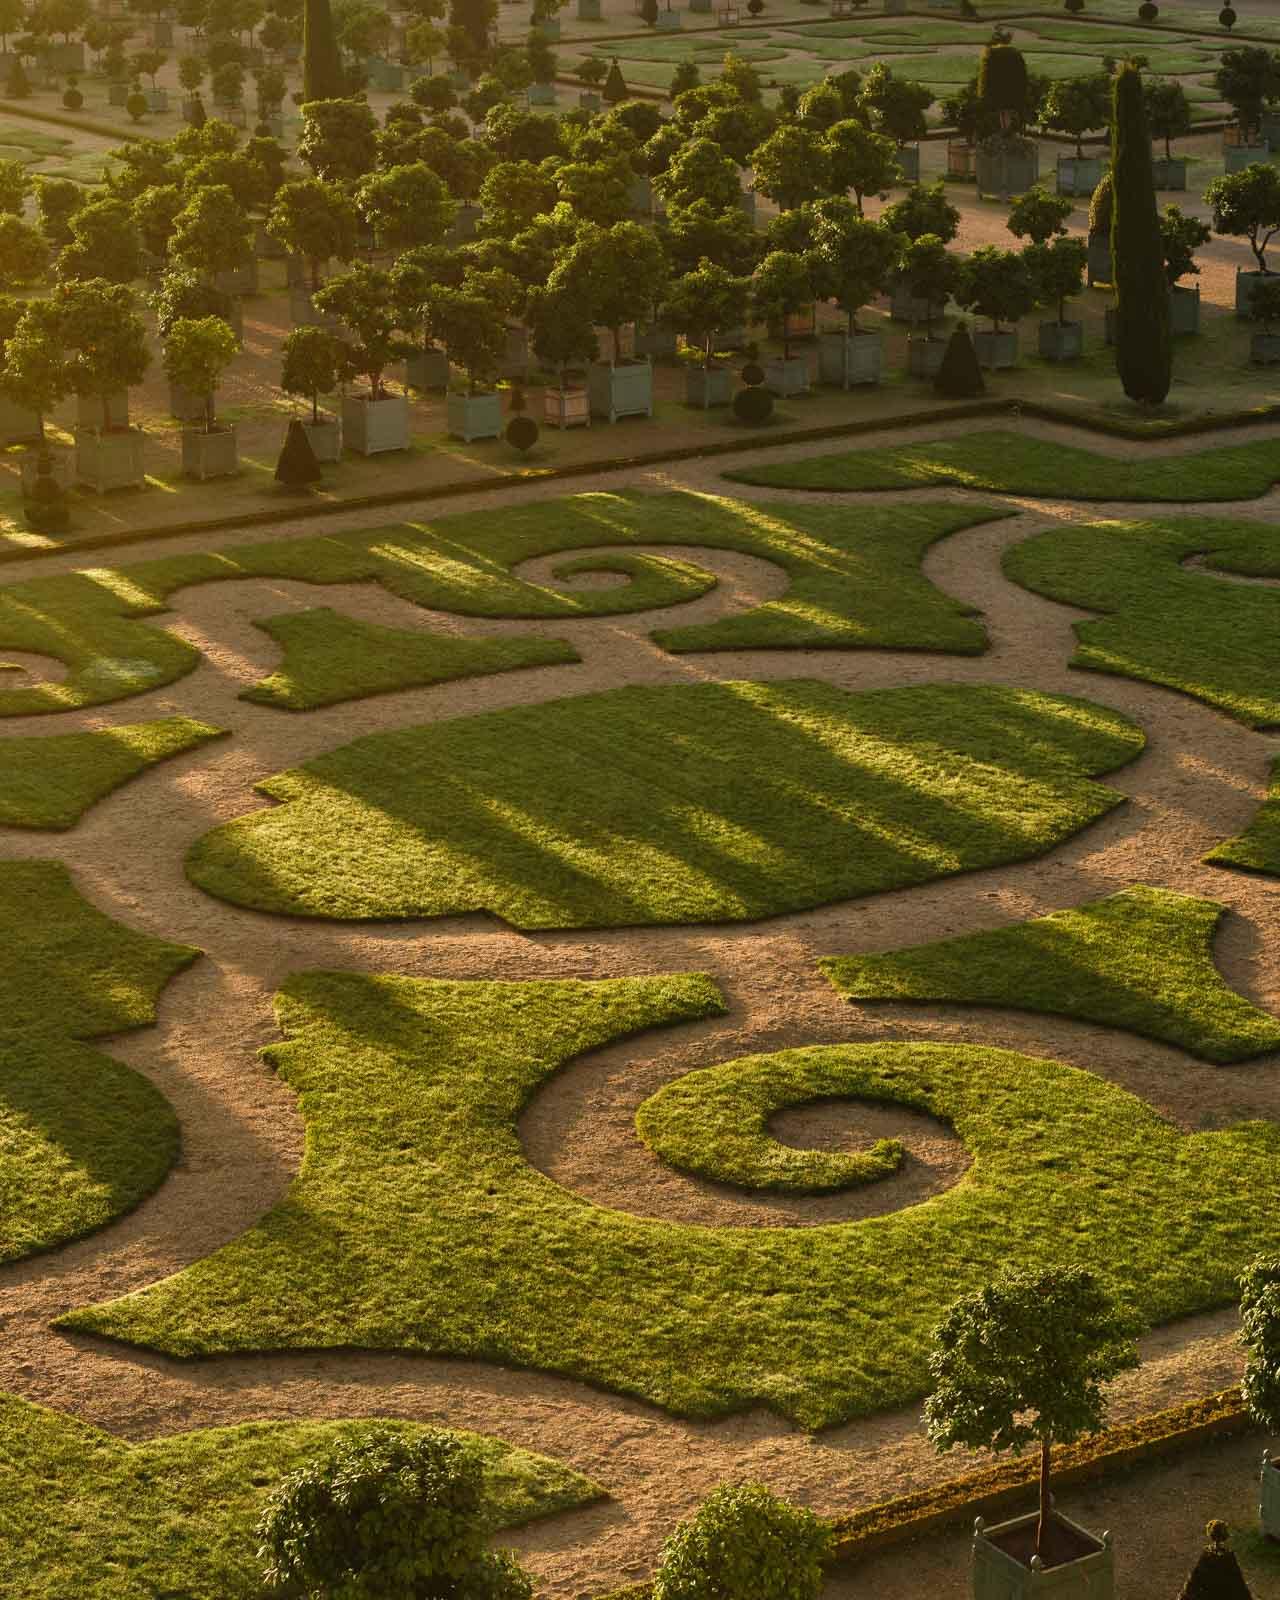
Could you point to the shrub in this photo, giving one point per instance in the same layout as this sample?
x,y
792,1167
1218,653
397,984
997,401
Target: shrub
x,y
72,99
522,433
754,406
136,105
959,377
386,1517
1260,1336
1143,352
297,465
1216,1574
744,1540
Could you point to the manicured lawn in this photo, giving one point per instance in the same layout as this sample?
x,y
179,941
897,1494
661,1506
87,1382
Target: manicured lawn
x,y
1140,960
1011,463
90,1515
1257,848
415,1182
714,802
1185,629
82,1138
852,582
50,782
715,1123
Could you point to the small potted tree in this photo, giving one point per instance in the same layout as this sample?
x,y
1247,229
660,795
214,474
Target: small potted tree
x,y
472,322
1023,1361
780,286
365,303
920,211
1169,118
106,345
212,235
1260,1336
856,258
196,354
930,274
1247,79
1008,163
895,107
702,304
1264,345
591,75
147,63
1099,268
996,284
1246,205
1057,275
34,378
562,337
316,222
191,72
1073,106
20,421
309,369
619,273
1181,237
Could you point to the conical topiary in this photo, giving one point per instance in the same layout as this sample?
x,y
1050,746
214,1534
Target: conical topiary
x,y
959,377
323,77
1144,354
46,506
615,85
1216,1574
297,466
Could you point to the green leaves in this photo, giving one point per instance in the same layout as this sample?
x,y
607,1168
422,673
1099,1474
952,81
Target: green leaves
x,y
744,1540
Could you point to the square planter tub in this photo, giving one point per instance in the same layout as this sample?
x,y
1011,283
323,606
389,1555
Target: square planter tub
x,y
1061,341
907,307
1170,174
474,416
1246,282
640,196
1007,169
589,100
1269,1496
996,350
997,1575
566,408
324,437
1098,268
707,387
541,94
668,22
549,29
63,466
90,414
786,375
849,359
960,160
625,390
210,455
106,461
157,99
184,405
17,426
427,369
238,280
1079,174
370,427
924,356
1264,349
589,11
266,246
117,94
1184,308
303,313
1238,156
908,158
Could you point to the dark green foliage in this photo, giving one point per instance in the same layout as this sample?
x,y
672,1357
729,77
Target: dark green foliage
x,y
615,88
1260,1336
1216,1574
753,405
323,77
959,377
522,433
17,85
297,465
1144,352
743,1541
387,1517
46,506
1002,81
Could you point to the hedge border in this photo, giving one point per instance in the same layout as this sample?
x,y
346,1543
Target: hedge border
x,y
993,1490
1107,427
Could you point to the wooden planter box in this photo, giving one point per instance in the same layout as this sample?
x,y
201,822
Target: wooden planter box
x,y
707,386
427,369
849,359
924,356
1238,156
238,280
106,461
370,427
95,413
184,405
997,1575
474,416
210,455
961,160
908,158
1264,349
566,408
17,426
996,351
786,376
1184,309
1061,341
1269,1496
747,203
1007,169
624,390
325,438
62,463
656,341
157,99
1245,285
1098,267
1080,174
1170,174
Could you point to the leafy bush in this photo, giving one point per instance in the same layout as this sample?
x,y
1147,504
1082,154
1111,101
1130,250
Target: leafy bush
x,y
744,1540
386,1517
753,405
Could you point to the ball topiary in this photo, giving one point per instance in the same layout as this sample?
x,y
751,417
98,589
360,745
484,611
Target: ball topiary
x,y
136,105
46,505
1074,6
744,1541
753,405
1147,12
522,433
753,374
1227,17
72,99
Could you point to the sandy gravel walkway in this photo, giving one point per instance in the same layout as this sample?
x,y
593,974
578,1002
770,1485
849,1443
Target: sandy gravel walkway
x,y
1199,779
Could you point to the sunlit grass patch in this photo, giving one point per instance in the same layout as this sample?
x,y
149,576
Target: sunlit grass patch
x,y
1257,847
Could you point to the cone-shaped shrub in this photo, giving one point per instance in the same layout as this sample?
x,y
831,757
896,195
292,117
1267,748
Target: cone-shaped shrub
x,y
297,465
1216,1574
1144,357
322,74
959,377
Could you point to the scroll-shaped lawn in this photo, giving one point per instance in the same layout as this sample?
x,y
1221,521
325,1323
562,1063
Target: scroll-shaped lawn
x,y
715,1123
715,802
50,782
1207,636
1140,960
1012,463
1257,847
853,581
82,1138
417,1222
91,1515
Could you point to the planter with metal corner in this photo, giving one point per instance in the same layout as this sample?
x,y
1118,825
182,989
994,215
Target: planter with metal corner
x,y
1184,308
1264,349
1080,174
371,427
474,416
1246,283
238,280
566,408
786,376
908,158
1007,168
924,355
850,359
107,461
996,350
621,390
1098,267
210,455
325,437
1061,341
1001,1570
266,246
1170,173
1236,157
157,100
427,369
705,387
542,94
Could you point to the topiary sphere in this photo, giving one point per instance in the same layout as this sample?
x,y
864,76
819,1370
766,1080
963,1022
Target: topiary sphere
x,y
752,374
1147,12
72,99
1227,17
1074,6
522,433
753,405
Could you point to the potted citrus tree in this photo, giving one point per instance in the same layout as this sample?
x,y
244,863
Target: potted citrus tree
x,y
1181,237
371,336
196,354
309,369
856,258
106,347
1023,1362
471,321
780,286
702,304
1260,1335
316,223
1056,269
1264,345
996,284
1246,205
415,275
562,337
922,210
929,273
35,377
1169,118
618,272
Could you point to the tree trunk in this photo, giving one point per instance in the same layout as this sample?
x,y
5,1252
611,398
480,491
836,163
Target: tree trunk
x,y
1042,1526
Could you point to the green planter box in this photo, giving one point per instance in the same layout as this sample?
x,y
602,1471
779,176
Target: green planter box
x,y
668,22
239,280
325,438
997,1575
1098,268
589,11
157,99
847,360
1236,157
624,390
1170,174
908,158
924,355
1061,341
1079,174
372,427
1007,167
589,100
913,308
708,386
996,351
656,341
1269,1496
107,461
549,29
1246,283
1264,349
210,455
542,94
117,94
1184,309
786,376
17,426
474,416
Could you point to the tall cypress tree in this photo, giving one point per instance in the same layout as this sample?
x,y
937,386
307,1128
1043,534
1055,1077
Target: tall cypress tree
x,y
1144,354
323,77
